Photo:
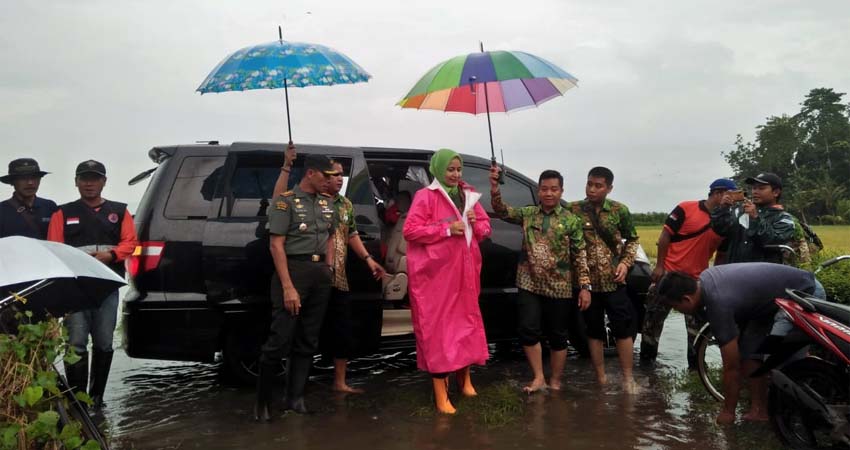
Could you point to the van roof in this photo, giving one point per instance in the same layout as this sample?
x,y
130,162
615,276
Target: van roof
x,y
161,153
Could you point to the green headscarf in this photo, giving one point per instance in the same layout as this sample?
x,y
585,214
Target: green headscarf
x,y
439,163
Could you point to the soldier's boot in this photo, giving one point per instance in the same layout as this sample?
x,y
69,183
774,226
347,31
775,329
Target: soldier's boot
x,y
464,382
297,373
441,395
265,384
77,374
101,362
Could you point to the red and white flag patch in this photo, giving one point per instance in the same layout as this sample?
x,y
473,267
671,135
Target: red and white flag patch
x,y
72,221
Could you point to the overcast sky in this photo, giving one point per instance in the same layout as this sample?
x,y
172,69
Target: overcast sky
x,y
664,86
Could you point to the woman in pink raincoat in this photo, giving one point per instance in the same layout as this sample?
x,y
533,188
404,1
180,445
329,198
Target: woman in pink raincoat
x,y
444,266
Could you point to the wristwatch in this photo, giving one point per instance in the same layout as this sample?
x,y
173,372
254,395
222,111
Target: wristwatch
x,y
587,287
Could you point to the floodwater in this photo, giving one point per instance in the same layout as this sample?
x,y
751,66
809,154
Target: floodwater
x,y
172,405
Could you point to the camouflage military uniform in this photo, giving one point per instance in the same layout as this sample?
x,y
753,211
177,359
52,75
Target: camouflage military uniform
x,y
801,247
552,248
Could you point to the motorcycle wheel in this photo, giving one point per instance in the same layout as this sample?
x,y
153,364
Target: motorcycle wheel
x,y
794,427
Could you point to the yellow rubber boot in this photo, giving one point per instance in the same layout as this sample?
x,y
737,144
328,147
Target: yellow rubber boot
x,y
441,396
464,382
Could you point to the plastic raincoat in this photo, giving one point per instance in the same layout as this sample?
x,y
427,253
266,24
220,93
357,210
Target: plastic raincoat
x,y
445,281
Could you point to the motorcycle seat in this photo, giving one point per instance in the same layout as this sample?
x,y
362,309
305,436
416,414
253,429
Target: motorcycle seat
x,y
835,311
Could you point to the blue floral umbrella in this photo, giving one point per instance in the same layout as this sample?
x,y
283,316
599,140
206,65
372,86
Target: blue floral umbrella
x,y
283,64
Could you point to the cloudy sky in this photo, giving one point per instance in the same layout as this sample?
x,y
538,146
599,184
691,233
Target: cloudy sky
x,y
664,86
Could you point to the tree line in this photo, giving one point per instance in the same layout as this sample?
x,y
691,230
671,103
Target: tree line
x,y
810,150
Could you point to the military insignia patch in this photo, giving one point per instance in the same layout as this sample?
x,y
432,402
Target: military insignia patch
x,y
281,205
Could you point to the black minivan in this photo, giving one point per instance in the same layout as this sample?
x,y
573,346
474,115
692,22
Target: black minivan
x,y
199,279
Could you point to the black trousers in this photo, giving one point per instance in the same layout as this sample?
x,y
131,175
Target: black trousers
x,y
541,316
621,315
337,330
298,335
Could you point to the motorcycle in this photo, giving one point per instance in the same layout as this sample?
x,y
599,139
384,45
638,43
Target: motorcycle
x,y
809,393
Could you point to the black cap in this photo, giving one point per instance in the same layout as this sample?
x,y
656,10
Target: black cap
x,y
320,163
766,178
91,166
22,167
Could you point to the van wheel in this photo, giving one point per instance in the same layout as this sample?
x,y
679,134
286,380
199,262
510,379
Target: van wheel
x,y
242,358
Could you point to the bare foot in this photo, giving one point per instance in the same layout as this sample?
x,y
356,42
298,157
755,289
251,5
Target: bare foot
x,y
755,416
602,380
554,384
535,386
630,387
346,389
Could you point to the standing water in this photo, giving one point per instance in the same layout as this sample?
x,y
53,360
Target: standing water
x,y
168,405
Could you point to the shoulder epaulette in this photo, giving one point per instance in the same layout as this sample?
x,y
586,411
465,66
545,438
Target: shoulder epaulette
x,y
288,193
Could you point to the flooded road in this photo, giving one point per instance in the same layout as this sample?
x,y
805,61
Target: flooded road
x,y
170,405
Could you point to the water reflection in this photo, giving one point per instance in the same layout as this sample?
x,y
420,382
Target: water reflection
x,y
154,405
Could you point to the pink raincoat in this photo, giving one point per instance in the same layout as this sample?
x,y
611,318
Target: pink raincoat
x,y
445,281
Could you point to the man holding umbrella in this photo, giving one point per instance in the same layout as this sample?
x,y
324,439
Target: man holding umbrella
x,y
25,214
105,230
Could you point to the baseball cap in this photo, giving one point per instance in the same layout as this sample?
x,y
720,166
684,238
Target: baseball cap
x,y
320,163
765,178
723,183
91,166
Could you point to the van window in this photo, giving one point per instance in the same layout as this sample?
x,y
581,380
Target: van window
x,y
194,187
514,192
253,182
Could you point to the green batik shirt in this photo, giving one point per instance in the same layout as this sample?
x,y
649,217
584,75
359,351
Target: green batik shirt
x,y
616,221
344,231
552,248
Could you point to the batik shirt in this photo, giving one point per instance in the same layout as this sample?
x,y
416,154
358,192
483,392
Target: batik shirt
x,y
344,231
615,221
552,248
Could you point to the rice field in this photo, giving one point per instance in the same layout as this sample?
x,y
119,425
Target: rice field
x,y
836,238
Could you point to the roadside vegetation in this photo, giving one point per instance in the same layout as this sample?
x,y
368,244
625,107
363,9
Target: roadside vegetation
x,y
30,397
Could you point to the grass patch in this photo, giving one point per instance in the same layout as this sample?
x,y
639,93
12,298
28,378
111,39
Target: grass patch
x,y
496,405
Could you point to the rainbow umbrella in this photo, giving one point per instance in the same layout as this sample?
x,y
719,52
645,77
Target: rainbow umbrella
x,y
498,81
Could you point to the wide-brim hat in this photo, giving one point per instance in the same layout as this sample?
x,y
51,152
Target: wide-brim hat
x,y
22,167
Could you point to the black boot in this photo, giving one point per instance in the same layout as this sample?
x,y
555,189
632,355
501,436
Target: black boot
x,y
77,374
297,373
101,362
265,383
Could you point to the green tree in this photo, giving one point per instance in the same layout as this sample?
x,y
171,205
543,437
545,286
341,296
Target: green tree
x,y
809,150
